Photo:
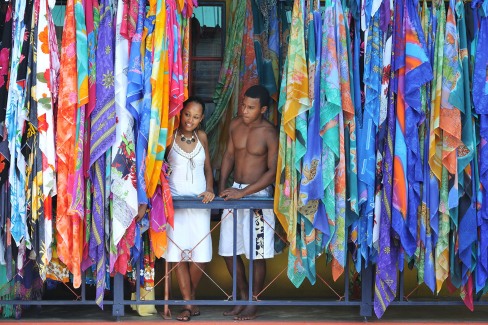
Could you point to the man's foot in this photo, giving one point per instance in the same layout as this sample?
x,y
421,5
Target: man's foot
x,y
247,314
234,311
185,315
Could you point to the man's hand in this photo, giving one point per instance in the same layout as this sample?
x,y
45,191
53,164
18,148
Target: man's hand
x,y
207,196
232,194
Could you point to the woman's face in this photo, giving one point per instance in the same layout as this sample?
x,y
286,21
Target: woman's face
x,y
191,116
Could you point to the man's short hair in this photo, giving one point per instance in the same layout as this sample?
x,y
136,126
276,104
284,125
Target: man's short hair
x,y
260,92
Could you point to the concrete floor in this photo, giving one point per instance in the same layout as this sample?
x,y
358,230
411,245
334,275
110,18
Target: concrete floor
x,y
266,314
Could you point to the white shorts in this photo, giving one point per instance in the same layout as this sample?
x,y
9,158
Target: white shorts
x,y
263,230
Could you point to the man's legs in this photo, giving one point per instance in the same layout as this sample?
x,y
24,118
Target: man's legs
x,y
259,276
241,281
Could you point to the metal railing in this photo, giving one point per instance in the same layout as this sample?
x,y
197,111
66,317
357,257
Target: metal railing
x,y
249,204
365,304
118,301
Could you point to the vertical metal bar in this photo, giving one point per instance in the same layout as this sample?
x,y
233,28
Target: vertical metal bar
x,y
234,258
138,279
118,306
346,278
402,285
251,255
83,287
366,309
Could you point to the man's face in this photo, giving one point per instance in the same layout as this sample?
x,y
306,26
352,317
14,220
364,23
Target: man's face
x,y
251,109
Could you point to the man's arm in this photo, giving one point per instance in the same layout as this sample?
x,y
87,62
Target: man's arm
x,y
227,161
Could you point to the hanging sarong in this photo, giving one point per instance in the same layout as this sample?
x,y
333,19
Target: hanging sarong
x,y
15,118
301,265
228,75
158,123
480,101
65,135
103,124
123,172
293,101
47,71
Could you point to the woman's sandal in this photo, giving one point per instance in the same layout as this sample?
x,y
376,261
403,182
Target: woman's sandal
x,y
186,317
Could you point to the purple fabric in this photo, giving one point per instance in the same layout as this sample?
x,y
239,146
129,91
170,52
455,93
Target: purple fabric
x,y
386,269
103,121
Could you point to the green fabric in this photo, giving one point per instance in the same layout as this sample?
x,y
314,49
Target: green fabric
x,y
6,293
229,72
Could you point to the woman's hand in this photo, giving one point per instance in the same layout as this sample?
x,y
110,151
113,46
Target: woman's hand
x,y
208,196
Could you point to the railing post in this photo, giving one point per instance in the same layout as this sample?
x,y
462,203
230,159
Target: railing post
x,y
234,257
251,255
366,309
118,306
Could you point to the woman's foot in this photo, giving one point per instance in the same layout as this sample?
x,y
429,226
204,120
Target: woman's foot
x,y
195,311
185,315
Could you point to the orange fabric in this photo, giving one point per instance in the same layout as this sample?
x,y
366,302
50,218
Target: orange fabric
x,y
65,141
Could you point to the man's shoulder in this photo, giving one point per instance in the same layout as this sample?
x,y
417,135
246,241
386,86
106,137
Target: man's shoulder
x,y
267,126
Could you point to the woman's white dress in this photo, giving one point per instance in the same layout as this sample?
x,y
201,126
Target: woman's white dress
x,y
190,239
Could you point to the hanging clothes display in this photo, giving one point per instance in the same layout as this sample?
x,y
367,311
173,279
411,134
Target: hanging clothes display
x,y
420,144
382,108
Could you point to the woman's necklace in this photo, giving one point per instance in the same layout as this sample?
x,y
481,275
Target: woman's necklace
x,y
187,140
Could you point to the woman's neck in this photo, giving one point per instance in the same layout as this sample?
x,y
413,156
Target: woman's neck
x,y
183,133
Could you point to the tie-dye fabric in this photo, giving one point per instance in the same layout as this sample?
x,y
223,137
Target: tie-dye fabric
x,y
158,123
65,136
293,101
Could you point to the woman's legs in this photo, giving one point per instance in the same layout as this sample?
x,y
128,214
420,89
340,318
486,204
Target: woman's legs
x,y
188,276
196,272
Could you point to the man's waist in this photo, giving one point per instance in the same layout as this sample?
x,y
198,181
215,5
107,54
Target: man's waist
x,y
267,192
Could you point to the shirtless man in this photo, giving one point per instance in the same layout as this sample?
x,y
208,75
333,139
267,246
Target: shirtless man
x,y
251,152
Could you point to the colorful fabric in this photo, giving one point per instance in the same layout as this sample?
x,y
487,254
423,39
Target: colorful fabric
x,y
229,72
418,72
65,135
103,124
124,177
338,240
310,205
176,85
424,253
467,234
266,44
5,53
385,287
158,123
47,71
294,100
138,100
480,86
367,134
15,117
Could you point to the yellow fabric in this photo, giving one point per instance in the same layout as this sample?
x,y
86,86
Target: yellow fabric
x,y
144,310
